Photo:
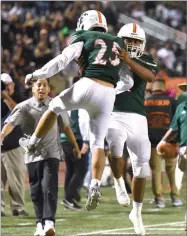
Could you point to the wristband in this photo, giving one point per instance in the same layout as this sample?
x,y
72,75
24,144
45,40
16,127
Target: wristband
x,y
86,142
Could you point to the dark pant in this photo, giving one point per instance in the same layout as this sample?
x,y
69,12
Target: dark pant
x,y
43,179
75,170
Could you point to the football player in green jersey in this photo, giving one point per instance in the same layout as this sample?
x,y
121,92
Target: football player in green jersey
x,y
129,123
94,92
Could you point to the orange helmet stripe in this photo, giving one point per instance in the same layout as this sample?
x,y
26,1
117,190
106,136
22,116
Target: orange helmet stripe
x,y
134,28
99,16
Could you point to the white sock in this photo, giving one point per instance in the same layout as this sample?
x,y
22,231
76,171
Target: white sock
x,y
137,206
121,183
34,140
95,182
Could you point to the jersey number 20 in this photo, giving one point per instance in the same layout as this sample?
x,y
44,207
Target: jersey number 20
x,y
99,59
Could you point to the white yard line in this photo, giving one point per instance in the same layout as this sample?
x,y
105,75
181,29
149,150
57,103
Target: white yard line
x,y
166,229
60,220
154,209
123,233
149,233
125,229
26,224
149,199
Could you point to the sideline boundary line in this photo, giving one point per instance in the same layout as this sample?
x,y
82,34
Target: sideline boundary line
x,y
124,229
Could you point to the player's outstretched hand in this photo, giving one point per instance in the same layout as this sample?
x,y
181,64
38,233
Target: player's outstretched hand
x,y
123,55
29,80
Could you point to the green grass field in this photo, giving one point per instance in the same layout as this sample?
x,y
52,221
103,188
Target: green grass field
x,y
108,219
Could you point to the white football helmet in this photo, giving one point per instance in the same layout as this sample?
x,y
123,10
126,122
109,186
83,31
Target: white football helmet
x,y
133,31
91,19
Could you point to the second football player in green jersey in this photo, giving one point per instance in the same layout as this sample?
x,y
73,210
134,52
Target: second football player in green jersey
x,y
99,54
128,122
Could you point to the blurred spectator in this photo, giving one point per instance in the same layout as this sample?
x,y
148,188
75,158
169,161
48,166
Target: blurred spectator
x,y
175,17
16,9
22,56
167,56
6,35
30,25
160,109
138,11
178,128
71,14
153,52
162,12
42,54
109,12
12,156
44,37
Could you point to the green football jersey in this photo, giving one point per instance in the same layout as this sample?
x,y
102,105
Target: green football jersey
x,y
133,101
98,53
179,123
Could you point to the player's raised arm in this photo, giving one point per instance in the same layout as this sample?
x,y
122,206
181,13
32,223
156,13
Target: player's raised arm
x,y
140,70
57,64
144,73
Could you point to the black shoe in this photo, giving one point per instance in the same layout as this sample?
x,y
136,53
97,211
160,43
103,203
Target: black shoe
x,y
19,213
72,205
78,207
2,214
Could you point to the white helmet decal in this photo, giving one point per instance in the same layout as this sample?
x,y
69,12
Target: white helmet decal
x,y
133,31
91,19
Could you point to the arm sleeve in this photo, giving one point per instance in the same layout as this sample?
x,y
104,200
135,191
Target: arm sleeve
x,y
174,124
16,117
126,80
60,62
148,62
65,118
84,126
